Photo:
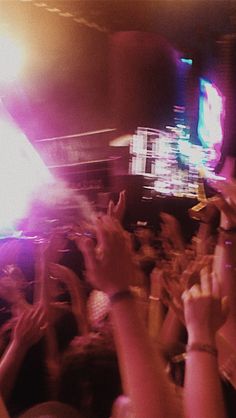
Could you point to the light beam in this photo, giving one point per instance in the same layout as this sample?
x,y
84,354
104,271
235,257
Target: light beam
x,y
22,172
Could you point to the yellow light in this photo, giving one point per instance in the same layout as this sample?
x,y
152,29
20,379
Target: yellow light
x,y
12,58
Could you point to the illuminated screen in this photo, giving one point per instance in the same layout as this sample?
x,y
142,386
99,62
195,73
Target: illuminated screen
x,y
211,116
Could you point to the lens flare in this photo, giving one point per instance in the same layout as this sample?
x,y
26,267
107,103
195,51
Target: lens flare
x,y
22,172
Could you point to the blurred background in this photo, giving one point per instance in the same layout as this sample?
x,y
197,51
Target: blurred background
x,y
79,77
65,84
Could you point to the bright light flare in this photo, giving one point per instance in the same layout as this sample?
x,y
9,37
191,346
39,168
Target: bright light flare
x,y
22,172
12,58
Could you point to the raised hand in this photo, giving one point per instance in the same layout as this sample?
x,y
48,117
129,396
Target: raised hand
x,y
77,293
204,310
205,313
30,327
66,275
109,263
174,284
117,211
191,274
62,272
226,202
226,187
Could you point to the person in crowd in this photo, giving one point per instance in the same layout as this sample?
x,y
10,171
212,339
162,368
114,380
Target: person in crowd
x,y
205,312
185,343
29,329
110,268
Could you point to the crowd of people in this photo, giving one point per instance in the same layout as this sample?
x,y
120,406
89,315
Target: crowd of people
x,y
101,322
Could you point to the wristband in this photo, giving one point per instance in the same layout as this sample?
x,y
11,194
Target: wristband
x,y
207,348
121,295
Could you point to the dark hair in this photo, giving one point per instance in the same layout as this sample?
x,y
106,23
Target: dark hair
x,y
90,379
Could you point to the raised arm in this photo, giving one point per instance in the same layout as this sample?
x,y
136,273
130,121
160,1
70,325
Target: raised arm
x,y
225,260
77,294
109,266
204,314
29,329
156,309
117,211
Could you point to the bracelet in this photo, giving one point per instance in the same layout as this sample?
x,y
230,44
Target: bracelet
x,y
121,295
207,348
155,298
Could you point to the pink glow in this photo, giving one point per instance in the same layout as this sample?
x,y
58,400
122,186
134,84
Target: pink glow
x,y
22,172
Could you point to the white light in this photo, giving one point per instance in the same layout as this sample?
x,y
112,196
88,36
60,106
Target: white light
x,y
22,172
12,58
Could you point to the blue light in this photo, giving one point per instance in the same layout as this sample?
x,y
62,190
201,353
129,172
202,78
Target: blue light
x,y
188,61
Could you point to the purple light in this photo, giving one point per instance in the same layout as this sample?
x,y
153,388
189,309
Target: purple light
x,y
22,172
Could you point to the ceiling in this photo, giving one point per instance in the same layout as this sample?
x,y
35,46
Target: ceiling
x,y
65,85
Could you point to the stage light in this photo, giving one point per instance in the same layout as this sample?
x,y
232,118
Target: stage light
x,y
22,172
12,58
